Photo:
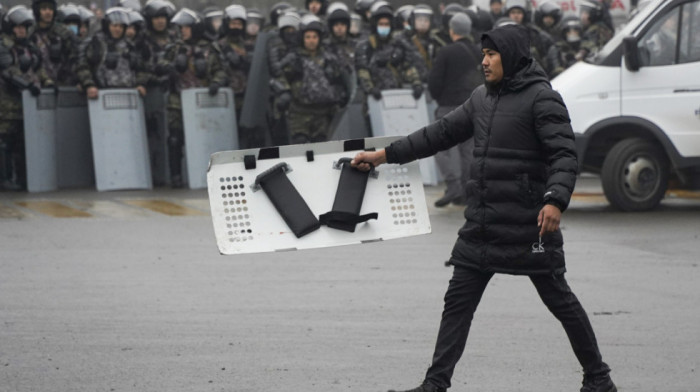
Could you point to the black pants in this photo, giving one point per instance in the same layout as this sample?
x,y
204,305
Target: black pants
x,y
463,296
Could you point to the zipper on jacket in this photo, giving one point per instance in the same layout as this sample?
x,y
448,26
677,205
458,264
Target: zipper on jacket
x,y
481,177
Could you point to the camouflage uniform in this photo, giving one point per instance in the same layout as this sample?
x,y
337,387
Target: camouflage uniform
x,y
596,36
20,68
279,52
317,89
187,65
236,59
59,52
422,49
384,64
111,63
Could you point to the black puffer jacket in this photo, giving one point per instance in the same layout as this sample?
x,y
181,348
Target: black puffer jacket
x,y
524,157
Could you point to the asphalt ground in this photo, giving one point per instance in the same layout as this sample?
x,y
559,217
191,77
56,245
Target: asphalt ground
x,y
125,291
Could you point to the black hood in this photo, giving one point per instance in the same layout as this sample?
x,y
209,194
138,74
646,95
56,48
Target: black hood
x,y
513,44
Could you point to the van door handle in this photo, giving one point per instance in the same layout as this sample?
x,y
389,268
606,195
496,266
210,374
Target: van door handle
x,y
687,90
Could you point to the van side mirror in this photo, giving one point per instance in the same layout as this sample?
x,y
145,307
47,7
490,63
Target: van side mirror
x,y
631,52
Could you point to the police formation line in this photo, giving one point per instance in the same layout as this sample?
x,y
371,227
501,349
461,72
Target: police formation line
x,y
292,75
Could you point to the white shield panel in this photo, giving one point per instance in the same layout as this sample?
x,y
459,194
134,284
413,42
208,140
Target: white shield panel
x,y
40,140
245,221
119,145
210,126
399,114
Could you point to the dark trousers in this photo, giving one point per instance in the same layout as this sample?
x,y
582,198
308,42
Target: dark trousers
x,y
463,296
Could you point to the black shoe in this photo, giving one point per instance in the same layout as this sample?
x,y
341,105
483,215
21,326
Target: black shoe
x,y
600,383
425,387
460,201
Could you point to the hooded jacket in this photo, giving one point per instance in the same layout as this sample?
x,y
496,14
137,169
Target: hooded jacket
x,y
524,158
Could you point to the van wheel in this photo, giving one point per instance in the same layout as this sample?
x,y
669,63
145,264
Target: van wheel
x,y
635,175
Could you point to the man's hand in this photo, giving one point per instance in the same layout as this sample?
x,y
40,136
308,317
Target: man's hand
x,y
92,92
141,90
548,220
365,160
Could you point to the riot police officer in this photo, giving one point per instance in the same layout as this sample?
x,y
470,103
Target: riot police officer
x,y
236,53
57,44
193,61
315,78
159,34
569,43
255,22
109,60
20,69
547,17
420,39
383,62
339,41
596,33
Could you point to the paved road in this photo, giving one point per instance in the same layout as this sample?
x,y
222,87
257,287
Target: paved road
x,y
125,291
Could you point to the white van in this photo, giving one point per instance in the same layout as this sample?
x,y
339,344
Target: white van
x,y
635,106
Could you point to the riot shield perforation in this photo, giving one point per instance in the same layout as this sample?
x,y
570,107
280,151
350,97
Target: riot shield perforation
x,y
235,206
204,100
401,197
118,101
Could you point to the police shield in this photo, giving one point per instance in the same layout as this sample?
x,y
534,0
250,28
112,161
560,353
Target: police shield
x,y
119,145
157,133
349,122
257,93
210,126
399,114
40,140
73,147
248,219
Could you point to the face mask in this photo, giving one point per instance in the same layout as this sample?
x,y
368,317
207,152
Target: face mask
x,y
383,31
73,28
236,32
572,37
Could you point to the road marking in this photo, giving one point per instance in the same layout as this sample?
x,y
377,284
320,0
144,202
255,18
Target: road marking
x,y
7,212
111,209
165,207
53,209
683,194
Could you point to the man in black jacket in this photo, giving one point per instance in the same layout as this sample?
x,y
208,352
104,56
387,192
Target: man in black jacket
x,y
521,180
453,77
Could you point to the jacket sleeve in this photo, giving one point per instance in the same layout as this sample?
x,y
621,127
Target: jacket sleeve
x,y
554,131
454,128
362,59
86,61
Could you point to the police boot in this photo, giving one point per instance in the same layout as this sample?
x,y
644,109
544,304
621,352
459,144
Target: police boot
x,y
598,383
425,387
452,192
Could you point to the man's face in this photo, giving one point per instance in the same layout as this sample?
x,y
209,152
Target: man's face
x,y
20,31
384,22
252,29
422,24
517,15
491,63
160,23
340,29
311,40
186,32
548,21
315,7
585,18
234,24
130,32
496,7
116,30
83,30
46,13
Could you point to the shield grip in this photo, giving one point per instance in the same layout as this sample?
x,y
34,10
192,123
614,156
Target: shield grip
x,y
352,184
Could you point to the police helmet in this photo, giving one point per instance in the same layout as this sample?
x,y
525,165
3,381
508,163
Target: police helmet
x,y
136,19
311,22
338,13
362,6
233,12
18,15
277,10
115,15
324,5
449,11
289,19
133,5
68,13
213,19
503,21
188,17
593,8
154,8
523,5
253,15
571,29
402,15
548,8
420,10
481,20
85,14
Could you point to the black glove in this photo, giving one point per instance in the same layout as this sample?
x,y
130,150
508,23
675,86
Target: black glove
x,y
163,69
181,62
283,101
234,59
34,89
382,58
214,88
376,93
397,57
417,91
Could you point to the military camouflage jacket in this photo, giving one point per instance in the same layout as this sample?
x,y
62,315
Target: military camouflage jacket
x,y
111,63
59,52
191,65
315,78
236,59
384,64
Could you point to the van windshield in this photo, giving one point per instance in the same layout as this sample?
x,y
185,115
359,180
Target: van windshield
x,y
614,44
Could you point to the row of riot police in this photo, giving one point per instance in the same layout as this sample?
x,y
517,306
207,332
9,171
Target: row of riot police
x,y
292,79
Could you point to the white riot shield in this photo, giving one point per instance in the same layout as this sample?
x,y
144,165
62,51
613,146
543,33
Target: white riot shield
x,y
246,221
40,140
155,104
73,146
210,126
119,145
399,114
